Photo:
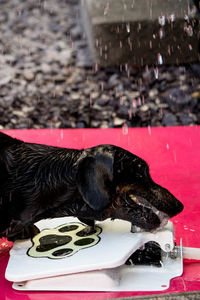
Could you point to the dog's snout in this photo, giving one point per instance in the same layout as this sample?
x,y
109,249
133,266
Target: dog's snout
x,y
164,201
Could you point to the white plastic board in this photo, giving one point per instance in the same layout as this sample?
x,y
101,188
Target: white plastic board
x,y
116,245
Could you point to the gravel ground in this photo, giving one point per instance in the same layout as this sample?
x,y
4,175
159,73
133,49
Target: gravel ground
x,y
47,79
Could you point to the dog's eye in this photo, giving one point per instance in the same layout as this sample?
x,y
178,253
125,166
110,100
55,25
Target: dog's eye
x,y
133,198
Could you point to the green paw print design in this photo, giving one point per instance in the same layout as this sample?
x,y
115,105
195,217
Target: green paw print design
x,y
63,241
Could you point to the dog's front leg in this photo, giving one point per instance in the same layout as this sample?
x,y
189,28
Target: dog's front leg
x,y
90,229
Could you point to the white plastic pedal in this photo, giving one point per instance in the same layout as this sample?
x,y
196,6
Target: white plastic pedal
x,y
97,268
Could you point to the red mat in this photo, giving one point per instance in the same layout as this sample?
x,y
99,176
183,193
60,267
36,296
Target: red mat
x,y
173,155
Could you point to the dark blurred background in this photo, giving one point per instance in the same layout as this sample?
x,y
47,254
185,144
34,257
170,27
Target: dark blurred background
x,y
48,80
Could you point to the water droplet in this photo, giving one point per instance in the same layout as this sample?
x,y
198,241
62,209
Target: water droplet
x,y
19,12
96,67
125,129
190,47
188,29
121,100
128,27
162,20
160,59
130,114
143,100
139,27
156,73
167,247
192,10
161,33
134,103
172,17
169,49
167,146
106,8
149,129
186,18
139,101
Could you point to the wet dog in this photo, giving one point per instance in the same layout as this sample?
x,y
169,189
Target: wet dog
x,y
106,181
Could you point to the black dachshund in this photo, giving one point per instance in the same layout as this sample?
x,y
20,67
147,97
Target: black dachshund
x,y
106,181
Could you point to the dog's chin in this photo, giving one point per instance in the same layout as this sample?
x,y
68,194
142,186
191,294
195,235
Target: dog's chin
x,y
163,220
150,226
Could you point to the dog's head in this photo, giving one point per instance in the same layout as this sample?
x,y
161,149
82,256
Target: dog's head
x,y
117,184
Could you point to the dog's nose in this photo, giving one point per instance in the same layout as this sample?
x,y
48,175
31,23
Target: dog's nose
x,y
178,207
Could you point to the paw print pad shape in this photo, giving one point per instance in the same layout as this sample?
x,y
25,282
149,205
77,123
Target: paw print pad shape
x,y
63,241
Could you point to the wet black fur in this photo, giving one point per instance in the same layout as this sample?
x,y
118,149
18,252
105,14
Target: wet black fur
x,y
39,181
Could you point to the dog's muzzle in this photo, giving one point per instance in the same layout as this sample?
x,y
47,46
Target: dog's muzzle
x,y
163,217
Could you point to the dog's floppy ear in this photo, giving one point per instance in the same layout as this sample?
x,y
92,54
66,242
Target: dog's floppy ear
x,y
94,180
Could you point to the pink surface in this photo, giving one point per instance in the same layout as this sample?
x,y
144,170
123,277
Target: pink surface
x,y
174,159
